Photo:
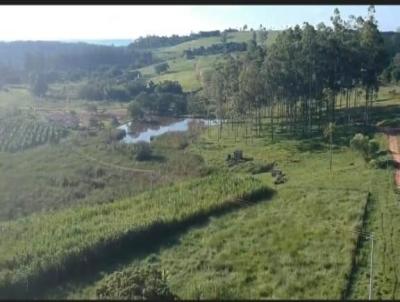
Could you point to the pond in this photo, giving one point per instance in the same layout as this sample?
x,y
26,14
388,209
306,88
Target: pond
x,y
154,131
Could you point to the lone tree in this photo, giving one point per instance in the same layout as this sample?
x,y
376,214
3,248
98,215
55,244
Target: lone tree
x,y
367,147
135,110
143,151
224,37
160,68
38,85
328,132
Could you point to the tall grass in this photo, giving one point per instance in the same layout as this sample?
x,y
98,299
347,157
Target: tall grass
x,y
39,249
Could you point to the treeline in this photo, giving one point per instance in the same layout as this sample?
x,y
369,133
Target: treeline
x,y
99,89
163,41
215,49
392,73
64,61
163,99
88,59
303,78
146,98
33,54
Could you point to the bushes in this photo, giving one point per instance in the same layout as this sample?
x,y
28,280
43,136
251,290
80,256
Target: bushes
x,y
171,140
92,91
142,151
136,284
118,93
368,148
160,68
215,49
117,134
253,167
162,103
135,110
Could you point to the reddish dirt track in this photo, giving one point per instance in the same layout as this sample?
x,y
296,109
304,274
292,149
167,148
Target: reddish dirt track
x,y
394,149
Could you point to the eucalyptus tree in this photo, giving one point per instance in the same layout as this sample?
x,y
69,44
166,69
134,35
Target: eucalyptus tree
x,y
328,133
374,57
303,76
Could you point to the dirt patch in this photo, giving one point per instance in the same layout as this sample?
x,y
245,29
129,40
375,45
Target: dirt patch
x,y
394,149
63,119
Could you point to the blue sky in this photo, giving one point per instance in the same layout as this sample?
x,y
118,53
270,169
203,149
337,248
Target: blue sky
x,y
280,16
129,22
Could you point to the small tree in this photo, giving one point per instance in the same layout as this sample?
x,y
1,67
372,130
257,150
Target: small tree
x,y
160,68
328,132
135,111
114,121
143,151
94,122
92,108
136,284
224,37
368,148
39,85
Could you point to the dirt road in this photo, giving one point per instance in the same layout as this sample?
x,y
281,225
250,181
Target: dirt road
x,y
394,149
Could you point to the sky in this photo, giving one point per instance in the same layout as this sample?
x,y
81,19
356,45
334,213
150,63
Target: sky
x,y
80,22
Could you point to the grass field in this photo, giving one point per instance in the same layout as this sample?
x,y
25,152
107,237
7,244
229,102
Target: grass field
x,y
305,231
40,248
185,71
299,244
75,212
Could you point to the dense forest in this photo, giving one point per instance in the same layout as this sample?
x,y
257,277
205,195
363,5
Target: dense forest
x,y
164,41
215,49
305,77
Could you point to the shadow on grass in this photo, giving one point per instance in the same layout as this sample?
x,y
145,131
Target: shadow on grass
x,y
311,144
158,158
88,265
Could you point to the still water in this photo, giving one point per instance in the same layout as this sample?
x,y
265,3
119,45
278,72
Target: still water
x,y
155,131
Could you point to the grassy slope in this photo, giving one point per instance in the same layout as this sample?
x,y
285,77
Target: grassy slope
x,y
186,71
42,247
58,176
265,248
299,244
383,222
54,176
182,70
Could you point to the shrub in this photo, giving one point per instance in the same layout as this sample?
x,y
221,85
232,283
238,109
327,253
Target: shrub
x,y
118,93
368,148
253,167
92,91
143,151
384,161
172,140
117,134
373,147
135,110
136,284
160,68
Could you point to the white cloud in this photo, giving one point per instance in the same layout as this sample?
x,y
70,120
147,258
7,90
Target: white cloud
x,y
95,22
127,22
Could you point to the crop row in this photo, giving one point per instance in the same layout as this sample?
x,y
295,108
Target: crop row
x,y
51,244
19,134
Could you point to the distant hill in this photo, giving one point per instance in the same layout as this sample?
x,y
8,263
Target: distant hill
x,y
105,42
55,54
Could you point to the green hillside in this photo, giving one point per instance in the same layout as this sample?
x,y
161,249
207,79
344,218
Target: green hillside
x,y
186,71
283,188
